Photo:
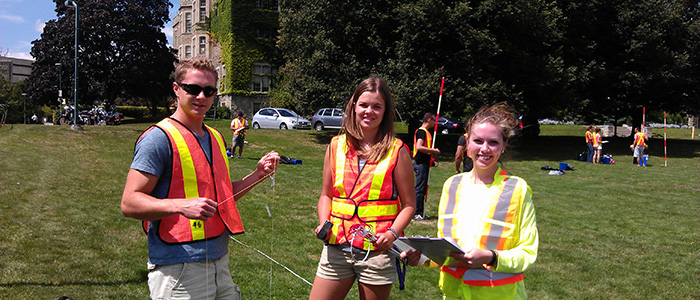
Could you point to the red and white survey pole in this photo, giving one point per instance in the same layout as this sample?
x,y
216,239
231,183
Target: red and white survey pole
x,y
437,117
665,160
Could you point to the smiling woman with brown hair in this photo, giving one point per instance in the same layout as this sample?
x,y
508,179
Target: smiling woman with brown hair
x,y
368,183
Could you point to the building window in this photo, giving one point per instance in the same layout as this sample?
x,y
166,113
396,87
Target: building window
x,y
261,33
261,77
202,10
202,45
267,4
188,22
188,51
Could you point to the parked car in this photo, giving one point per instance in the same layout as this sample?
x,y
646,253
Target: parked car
x,y
446,126
328,118
281,118
527,126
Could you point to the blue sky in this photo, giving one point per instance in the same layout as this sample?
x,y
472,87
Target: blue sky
x,y
22,21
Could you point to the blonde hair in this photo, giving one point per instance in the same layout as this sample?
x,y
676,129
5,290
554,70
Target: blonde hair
x,y
500,115
198,63
385,133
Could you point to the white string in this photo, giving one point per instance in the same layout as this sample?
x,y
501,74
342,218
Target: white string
x,y
206,244
270,258
250,186
272,226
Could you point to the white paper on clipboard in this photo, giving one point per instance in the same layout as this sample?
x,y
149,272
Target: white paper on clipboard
x,y
437,249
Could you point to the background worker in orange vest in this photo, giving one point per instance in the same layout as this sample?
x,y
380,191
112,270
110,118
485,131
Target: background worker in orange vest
x,y
423,155
597,145
461,155
366,182
639,144
589,144
239,125
186,227
490,215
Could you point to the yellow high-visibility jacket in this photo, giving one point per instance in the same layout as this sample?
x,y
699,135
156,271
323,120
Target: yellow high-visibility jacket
x,y
499,216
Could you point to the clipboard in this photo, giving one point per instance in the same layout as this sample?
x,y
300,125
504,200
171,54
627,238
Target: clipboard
x,y
437,249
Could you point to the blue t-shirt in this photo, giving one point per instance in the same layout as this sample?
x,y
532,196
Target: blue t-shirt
x,y
153,155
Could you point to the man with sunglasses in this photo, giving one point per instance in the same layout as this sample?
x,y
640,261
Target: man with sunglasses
x,y
179,186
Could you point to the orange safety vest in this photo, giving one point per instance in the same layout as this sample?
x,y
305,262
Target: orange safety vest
x,y
502,212
368,196
193,176
639,139
239,123
428,141
589,138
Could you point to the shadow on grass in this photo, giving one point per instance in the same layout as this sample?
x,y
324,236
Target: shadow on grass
x,y
142,278
554,148
559,148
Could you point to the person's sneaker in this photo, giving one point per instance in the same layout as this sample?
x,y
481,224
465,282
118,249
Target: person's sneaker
x,y
239,157
418,218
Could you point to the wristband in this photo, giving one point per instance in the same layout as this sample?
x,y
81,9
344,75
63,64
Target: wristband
x,y
396,235
494,258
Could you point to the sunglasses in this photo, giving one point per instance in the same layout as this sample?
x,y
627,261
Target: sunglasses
x,y
194,89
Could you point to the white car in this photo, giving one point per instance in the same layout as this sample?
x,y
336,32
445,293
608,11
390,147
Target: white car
x,y
281,118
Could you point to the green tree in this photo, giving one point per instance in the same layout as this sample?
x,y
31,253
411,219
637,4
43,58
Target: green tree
x,y
629,54
123,53
247,34
488,51
11,95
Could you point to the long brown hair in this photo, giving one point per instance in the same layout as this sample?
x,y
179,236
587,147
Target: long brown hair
x,y
385,133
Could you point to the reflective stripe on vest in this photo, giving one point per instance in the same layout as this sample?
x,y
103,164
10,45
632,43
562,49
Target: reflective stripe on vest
x,y
239,123
362,197
428,141
193,176
498,220
638,139
595,139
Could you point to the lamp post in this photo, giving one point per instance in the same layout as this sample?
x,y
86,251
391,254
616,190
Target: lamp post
x,y
24,111
60,92
74,3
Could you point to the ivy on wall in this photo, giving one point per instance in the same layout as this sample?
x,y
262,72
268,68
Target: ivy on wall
x,y
236,26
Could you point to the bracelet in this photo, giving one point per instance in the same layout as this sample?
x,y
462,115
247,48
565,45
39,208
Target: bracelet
x,y
494,258
396,235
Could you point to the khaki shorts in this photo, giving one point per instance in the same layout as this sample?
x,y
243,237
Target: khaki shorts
x,y
189,281
378,269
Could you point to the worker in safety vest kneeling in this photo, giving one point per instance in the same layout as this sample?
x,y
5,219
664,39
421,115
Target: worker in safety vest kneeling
x,y
489,213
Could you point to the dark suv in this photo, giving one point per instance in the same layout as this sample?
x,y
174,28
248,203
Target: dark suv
x,y
327,118
446,126
528,126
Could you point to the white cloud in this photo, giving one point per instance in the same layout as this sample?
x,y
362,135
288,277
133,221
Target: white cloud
x,y
39,26
168,30
4,15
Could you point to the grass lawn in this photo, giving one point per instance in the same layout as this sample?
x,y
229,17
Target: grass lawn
x,y
613,231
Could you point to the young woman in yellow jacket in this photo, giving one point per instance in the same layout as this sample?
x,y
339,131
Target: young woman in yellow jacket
x,y
490,215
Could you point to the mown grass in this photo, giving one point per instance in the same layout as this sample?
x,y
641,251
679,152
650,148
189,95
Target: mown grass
x,y
606,231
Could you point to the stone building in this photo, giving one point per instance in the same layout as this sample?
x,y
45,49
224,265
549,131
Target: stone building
x,y
15,69
189,40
